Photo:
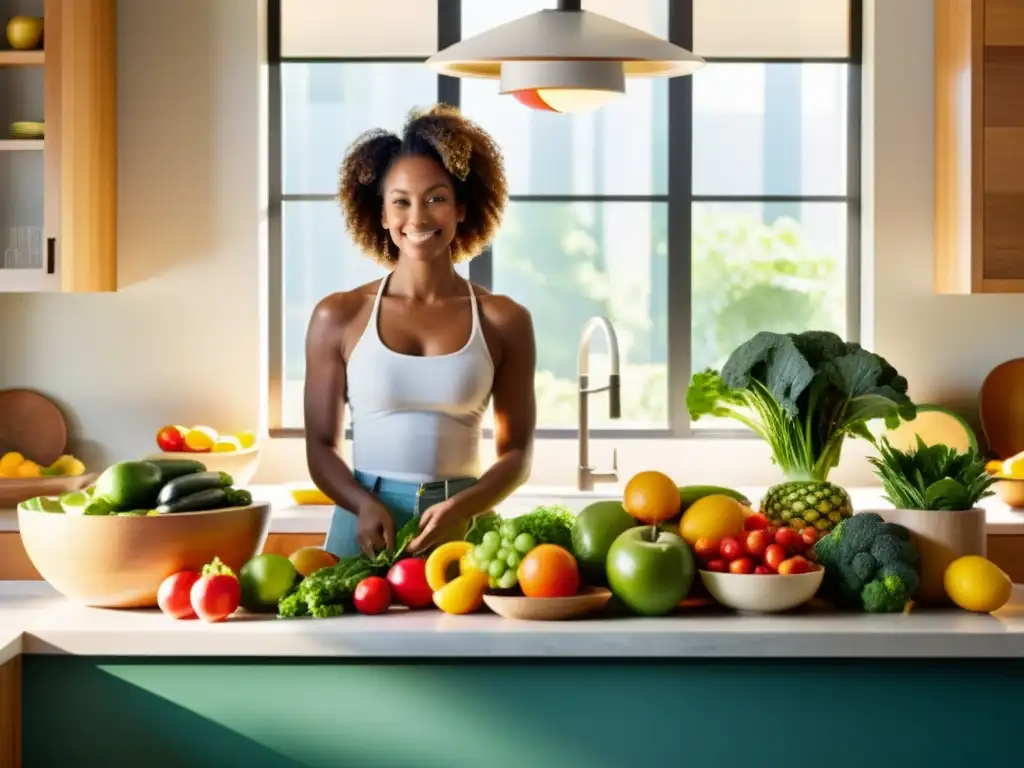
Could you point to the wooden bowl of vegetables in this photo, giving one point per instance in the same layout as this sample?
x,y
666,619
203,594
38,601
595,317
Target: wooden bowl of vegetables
x,y
112,544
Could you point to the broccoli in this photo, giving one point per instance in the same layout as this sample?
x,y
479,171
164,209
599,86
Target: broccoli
x,y
869,564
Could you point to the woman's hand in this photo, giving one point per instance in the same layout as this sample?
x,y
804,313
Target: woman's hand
x,y
444,521
375,528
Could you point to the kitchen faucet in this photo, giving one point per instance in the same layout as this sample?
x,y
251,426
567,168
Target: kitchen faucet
x,y
586,476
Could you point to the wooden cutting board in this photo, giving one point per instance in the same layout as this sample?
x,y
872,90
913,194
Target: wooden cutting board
x,y
1001,407
33,425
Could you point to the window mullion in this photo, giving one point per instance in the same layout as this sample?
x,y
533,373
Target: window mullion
x,y
680,223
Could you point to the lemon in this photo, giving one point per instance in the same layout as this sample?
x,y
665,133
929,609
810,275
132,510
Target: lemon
x,y
9,464
246,439
28,468
714,517
977,584
1014,467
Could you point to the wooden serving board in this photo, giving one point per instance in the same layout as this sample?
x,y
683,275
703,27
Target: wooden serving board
x,y
33,425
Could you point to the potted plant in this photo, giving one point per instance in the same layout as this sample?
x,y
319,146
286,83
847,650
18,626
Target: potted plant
x,y
935,490
804,394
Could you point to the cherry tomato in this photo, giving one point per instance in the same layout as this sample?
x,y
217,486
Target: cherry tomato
x,y
215,597
372,595
730,548
717,565
762,570
170,439
706,547
809,535
789,540
757,542
758,521
408,581
741,565
794,565
774,555
174,595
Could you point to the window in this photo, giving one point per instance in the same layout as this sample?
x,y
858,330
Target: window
x,y
693,212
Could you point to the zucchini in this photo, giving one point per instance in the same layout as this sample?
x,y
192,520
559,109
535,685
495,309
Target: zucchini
x,y
172,468
186,485
209,498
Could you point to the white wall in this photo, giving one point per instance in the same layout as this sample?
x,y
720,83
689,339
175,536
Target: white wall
x,y
180,342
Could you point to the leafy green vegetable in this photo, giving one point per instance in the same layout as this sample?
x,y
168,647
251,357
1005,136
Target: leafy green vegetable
x,y
547,525
481,524
869,564
932,477
802,394
328,592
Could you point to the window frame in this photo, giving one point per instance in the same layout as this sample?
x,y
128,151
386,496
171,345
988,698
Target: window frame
x,y
679,198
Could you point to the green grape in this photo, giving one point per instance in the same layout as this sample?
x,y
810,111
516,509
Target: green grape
x,y
507,530
503,554
524,543
493,583
496,568
507,580
512,560
491,539
481,554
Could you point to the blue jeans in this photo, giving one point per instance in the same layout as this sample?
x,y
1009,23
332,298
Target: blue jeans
x,y
404,500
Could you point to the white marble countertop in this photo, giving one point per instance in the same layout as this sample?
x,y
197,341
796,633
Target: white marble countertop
x,y
289,517
50,624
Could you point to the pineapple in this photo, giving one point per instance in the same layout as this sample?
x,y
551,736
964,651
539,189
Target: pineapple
x,y
807,503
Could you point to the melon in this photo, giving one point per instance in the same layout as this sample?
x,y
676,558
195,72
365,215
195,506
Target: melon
x,y
935,425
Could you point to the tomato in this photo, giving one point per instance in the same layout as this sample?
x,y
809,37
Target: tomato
x,y
762,570
774,555
795,565
758,521
757,542
810,536
741,565
215,597
706,547
717,565
730,548
789,540
372,595
174,595
548,570
170,439
408,581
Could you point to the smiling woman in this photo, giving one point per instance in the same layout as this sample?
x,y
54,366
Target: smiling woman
x,y
418,355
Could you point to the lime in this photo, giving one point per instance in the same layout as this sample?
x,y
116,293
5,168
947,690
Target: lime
x,y
265,580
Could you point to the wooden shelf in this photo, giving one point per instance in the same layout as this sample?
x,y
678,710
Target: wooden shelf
x,y
22,58
21,145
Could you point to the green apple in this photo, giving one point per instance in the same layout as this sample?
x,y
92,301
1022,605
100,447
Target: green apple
x,y
595,529
650,570
24,33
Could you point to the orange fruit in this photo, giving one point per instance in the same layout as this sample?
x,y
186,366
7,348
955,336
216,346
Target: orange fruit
x,y
651,497
549,571
309,560
714,517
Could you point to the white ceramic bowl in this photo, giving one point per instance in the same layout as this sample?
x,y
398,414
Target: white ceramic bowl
x,y
241,465
762,593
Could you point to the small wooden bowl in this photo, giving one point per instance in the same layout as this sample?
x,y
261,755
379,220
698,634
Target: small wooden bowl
x,y
14,490
119,562
589,600
1011,492
241,465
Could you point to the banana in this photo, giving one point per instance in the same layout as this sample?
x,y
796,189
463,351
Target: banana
x,y
689,494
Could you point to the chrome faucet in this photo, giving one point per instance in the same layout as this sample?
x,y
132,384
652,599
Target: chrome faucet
x,y
586,476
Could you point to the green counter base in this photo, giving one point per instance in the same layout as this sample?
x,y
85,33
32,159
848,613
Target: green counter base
x,y
188,713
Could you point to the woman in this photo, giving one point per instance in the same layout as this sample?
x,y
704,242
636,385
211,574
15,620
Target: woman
x,y
419,354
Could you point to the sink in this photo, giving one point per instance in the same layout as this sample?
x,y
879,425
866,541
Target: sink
x,y
528,497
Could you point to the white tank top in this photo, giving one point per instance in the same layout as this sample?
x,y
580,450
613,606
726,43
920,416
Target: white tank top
x,y
417,418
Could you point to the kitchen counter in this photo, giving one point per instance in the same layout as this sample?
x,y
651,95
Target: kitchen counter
x,y
289,517
54,625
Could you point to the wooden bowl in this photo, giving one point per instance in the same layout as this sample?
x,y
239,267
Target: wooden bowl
x,y
1001,408
119,562
14,490
762,593
1011,492
589,600
241,465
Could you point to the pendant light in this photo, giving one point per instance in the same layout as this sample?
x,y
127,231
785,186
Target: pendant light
x,y
564,59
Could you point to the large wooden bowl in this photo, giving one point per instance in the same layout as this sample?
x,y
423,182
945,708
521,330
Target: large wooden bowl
x,y
14,490
119,562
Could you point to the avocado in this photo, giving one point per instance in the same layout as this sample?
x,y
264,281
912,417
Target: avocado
x,y
129,485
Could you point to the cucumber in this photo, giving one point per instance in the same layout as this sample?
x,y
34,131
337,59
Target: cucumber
x,y
186,485
208,498
172,468
689,494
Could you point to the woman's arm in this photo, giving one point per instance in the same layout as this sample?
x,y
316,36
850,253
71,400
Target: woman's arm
x,y
324,407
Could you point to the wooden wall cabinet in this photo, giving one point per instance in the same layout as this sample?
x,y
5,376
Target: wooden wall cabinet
x,y
66,183
979,146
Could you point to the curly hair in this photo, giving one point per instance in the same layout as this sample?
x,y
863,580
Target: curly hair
x,y
462,147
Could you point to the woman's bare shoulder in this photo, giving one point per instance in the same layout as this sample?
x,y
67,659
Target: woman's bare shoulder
x,y
503,312
341,307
